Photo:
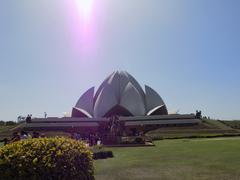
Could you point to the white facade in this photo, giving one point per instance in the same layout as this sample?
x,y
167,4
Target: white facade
x,y
120,90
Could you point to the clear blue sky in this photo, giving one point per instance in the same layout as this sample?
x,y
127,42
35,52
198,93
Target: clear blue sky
x,y
52,51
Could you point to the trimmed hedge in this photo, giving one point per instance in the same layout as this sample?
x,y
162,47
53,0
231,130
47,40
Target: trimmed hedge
x,y
103,155
139,140
46,158
156,138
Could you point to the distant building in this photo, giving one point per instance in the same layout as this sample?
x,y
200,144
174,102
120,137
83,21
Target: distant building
x,y
119,103
120,94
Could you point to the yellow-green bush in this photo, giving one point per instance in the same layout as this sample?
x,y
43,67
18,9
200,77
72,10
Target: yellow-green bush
x,y
46,158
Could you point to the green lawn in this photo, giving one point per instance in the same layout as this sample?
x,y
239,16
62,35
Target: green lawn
x,y
233,124
197,159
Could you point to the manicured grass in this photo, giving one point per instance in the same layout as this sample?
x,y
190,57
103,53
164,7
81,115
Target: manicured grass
x,y
217,124
6,128
6,131
191,135
233,124
196,159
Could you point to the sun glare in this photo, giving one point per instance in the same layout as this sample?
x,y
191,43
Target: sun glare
x,y
85,8
83,25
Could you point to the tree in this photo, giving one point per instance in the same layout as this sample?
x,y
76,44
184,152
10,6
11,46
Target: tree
x,y
10,123
2,123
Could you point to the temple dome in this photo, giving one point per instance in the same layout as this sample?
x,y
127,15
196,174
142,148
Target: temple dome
x,y
119,94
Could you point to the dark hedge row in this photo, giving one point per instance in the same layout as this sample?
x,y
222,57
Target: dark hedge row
x,y
103,155
155,138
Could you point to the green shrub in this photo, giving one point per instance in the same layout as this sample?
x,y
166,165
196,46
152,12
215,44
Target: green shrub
x,y
110,154
10,123
2,123
102,155
139,140
46,158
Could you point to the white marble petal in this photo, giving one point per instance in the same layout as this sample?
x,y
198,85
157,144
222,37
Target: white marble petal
x,y
153,99
132,100
86,101
114,83
136,85
161,108
105,101
102,86
124,80
80,113
121,89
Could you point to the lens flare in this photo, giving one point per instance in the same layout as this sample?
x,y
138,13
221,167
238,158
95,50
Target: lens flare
x,y
85,8
82,24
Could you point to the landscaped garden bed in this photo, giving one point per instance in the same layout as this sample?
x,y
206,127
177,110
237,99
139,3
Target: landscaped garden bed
x,y
46,158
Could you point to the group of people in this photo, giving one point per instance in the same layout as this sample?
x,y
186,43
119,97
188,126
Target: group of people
x,y
198,114
29,118
21,136
91,140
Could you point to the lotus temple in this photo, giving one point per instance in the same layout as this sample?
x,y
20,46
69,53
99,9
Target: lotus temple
x,y
119,101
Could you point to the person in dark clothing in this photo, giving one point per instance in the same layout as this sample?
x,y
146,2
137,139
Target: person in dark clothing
x,y
29,119
45,115
36,135
16,137
24,135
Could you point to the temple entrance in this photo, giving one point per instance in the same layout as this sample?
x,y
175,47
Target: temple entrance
x,y
112,131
